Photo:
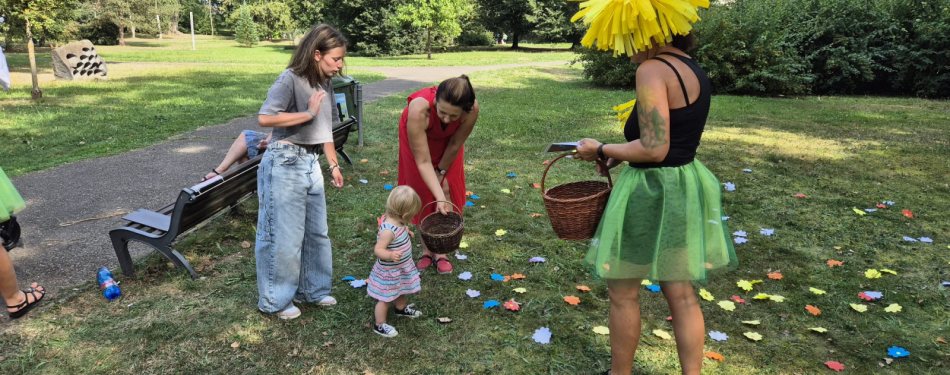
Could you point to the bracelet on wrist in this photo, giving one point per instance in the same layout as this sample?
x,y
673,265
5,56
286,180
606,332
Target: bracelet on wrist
x,y
600,152
311,114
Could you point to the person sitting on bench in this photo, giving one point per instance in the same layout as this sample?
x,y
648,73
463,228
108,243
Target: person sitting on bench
x,y
247,146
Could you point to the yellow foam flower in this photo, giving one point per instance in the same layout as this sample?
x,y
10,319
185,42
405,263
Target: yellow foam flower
x,y
500,232
706,295
818,329
777,298
859,307
816,291
630,26
646,282
872,274
602,330
727,305
893,308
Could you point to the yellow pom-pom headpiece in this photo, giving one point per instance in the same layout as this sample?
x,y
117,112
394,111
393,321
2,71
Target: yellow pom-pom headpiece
x,y
630,26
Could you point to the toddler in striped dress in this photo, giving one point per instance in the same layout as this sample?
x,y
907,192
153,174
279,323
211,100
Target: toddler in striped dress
x,y
395,275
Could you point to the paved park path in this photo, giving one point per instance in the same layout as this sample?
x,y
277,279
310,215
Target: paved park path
x,y
62,257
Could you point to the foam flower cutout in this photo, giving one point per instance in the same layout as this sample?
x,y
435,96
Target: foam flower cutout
x,y
715,356
907,213
542,335
662,334
463,245
859,307
776,298
730,186
945,284
724,218
706,295
740,240
870,210
476,197
384,172
501,232
747,285
583,288
469,204
910,239
387,187
535,215
512,175
872,274
572,300
727,305
747,170
519,290
601,330
893,308
799,195
739,233
506,191
775,276
358,283
506,279
889,203
837,366
473,293
469,193
897,352
364,181
348,278
880,205
832,263
718,336
859,212
465,275
645,282
762,296
873,295
813,310
816,291
517,276
767,232
818,329
892,272
926,240
546,162
737,299
536,185
497,277
754,336
653,288
491,303
512,305
461,256
537,260
751,322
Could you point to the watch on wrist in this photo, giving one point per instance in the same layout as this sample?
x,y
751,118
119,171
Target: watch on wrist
x,y
600,152
440,170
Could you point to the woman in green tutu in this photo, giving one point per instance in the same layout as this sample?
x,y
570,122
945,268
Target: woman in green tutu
x,y
663,221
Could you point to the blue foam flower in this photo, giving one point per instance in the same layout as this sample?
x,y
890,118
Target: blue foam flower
x,y
512,175
718,336
358,283
469,204
739,240
897,352
465,275
926,240
473,293
348,278
537,260
653,288
730,186
491,303
475,197
739,233
767,232
542,335
387,187
497,277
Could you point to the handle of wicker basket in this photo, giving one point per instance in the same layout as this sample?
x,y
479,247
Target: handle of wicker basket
x,y
544,191
449,202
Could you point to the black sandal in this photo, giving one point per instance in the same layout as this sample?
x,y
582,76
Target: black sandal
x,y
26,306
213,170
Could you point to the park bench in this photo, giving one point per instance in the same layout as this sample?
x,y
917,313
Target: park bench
x,y
194,206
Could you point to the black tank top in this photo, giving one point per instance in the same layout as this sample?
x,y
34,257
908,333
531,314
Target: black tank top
x,y
686,124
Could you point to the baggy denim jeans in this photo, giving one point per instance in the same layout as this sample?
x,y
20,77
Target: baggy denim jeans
x,y
293,254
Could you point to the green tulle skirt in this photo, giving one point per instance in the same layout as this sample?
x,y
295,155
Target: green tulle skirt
x,y
10,200
662,224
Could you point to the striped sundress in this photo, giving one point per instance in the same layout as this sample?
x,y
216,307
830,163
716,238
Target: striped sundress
x,y
389,280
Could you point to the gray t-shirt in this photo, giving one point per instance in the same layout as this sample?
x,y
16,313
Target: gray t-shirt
x,y
291,93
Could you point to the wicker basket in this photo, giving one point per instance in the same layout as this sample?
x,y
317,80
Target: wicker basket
x,y
575,208
442,234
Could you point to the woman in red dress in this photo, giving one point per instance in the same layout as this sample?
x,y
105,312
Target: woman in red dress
x,y
432,134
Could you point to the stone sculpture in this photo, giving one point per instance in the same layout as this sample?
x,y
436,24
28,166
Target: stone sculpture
x,y
79,60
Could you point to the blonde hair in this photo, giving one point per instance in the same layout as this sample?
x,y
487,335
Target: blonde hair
x,y
403,203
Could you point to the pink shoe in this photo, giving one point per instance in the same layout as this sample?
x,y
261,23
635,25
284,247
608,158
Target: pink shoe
x,y
443,265
424,262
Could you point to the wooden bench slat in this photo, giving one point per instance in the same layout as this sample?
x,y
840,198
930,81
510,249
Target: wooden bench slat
x,y
149,218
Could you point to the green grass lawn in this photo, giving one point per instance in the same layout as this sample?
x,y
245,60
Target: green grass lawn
x,y
840,152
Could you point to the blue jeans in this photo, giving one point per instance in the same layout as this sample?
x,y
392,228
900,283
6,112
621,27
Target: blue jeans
x,y
293,250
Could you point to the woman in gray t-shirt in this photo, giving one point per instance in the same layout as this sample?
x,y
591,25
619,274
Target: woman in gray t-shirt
x,y
294,261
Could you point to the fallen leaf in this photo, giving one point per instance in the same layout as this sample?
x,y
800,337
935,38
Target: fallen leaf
x,y
775,276
662,334
941,340
754,336
583,288
816,291
832,263
714,356
813,310
727,305
859,307
246,245
235,344
893,308
572,300
818,329
601,330
837,366
327,344
888,360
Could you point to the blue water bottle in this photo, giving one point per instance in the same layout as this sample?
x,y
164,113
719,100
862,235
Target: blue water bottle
x,y
109,288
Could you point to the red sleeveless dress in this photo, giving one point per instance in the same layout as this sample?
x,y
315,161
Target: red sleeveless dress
x,y
438,142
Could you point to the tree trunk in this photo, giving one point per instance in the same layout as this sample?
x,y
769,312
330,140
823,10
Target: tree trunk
x,y
133,30
132,25
514,40
429,42
173,26
122,35
36,93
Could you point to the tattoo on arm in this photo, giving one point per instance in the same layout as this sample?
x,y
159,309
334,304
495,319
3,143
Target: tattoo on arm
x,y
651,127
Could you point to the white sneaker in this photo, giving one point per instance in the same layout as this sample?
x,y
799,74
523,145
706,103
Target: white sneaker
x,y
289,313
409,312
327,301
385,330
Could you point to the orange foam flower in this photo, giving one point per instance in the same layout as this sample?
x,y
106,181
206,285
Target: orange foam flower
x,y
775,276
715,356
813,310
583,288
832,263
572,300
